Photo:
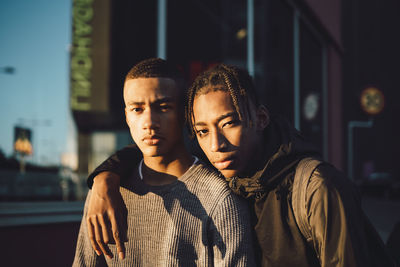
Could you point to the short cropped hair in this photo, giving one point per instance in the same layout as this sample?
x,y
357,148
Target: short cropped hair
x,y
160,68
236,81
155,68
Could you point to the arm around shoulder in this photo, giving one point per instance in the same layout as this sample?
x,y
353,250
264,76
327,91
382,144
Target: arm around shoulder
x,y
120,163
106,204
84,253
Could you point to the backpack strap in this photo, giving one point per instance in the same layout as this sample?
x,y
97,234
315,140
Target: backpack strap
x,y
304,170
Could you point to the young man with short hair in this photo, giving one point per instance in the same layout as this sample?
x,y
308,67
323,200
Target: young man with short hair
x,y
179,211
262,158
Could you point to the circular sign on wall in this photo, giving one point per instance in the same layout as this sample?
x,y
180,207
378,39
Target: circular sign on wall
x,y
311,106
372,100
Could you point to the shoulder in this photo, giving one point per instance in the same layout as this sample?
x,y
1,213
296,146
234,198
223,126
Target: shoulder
x,y
328,183
326,175
207,179
209,186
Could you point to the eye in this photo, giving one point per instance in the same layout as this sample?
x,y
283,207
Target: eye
x,y
227,124
230,123
201,132
136,110
165,108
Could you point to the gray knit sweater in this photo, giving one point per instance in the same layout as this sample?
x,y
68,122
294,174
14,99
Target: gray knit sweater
x,y
195,221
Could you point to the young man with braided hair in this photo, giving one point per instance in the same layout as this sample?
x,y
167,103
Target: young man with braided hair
x,y
266,161
179,211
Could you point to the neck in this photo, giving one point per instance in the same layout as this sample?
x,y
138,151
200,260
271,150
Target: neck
x,y
260,156
269,142
164,170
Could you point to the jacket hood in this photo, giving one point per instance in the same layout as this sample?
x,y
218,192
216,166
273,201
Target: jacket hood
x,y
284,147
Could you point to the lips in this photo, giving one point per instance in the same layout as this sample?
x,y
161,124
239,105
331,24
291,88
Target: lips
x,y
152,140
223,164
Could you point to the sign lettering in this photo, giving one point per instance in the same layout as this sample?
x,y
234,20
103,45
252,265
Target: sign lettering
x,y
81,61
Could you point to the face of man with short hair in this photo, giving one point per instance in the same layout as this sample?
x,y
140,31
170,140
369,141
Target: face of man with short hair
x,y
152,114
227,143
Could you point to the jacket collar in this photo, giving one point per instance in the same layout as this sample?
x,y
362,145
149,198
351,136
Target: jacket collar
x,y
284,147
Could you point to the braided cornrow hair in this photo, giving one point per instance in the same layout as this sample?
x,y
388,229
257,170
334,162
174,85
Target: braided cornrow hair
x,y
227,78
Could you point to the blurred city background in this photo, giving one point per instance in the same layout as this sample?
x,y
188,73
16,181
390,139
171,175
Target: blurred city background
x,y
331,67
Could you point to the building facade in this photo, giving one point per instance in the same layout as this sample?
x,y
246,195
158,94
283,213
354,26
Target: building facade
x,y
293,49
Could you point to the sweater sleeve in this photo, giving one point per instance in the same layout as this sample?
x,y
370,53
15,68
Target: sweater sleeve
x,y
120,163
231,233
342,235
84,253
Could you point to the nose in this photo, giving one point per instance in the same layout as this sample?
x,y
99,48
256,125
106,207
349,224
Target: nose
x,y
218,142
151,119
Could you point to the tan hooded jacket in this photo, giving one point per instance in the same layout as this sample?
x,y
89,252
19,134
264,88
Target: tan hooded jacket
x,y
341,233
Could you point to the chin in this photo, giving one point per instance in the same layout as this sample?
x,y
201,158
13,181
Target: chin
x,y
229,173
151,152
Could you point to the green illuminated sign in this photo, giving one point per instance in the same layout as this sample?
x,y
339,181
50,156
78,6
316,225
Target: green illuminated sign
x,y
81,61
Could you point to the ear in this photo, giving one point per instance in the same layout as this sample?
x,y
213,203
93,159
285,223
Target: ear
x,y
262,115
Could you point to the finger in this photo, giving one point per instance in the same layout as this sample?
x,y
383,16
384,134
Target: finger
x,y
92,237
110,234
123,223
117,236
99,240
104,229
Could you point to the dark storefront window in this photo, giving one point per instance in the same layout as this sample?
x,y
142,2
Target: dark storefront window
x,y
133,38
203,33
311,87
274,56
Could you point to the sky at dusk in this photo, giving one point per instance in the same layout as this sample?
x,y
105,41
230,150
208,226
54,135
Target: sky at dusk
x,y
35,37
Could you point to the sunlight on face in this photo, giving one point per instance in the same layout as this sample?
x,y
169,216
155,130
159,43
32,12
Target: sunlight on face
x,y
151,110
227,143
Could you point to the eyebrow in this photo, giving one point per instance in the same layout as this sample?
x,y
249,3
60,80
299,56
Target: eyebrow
x,y
220,118
166,99
159,101
133,103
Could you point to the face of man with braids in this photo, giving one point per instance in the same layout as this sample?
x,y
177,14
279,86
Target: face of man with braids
x,y
230,143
